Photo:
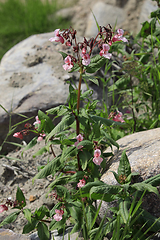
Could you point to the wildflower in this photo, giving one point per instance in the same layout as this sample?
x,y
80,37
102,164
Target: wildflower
x,y
41,137
81,183
58,215
119,36
57,38
118,117
104,51
18,135
68,63
37,121
86,59
79,139
3,208
97,159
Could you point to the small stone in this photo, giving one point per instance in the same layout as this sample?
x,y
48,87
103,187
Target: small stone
x,y
32,198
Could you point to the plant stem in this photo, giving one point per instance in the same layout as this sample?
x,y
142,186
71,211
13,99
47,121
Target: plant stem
x,y
78,100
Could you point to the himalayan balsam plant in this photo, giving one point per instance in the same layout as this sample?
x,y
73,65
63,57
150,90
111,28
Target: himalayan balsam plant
x,y
83,136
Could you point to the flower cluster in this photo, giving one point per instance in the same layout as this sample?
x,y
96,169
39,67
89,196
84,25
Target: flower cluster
x,y
81,183
79,139
97,159
58,215
28,128
83,50
117,117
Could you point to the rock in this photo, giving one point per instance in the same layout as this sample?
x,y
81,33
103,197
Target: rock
x,y
32,78
7,234
143,152
147,7
105,14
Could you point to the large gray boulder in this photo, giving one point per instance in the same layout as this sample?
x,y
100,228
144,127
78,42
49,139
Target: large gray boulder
x,y
143,152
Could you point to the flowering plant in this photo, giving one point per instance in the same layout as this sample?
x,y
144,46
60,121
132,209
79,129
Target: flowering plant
x,y
83,136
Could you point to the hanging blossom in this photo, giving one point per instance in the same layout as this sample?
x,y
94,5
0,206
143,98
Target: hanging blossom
x,y
18,135
68,63
58,215
37,122
81,183
3,208
104,51
97,159
118,37
41,137
117,117
79,139
57,38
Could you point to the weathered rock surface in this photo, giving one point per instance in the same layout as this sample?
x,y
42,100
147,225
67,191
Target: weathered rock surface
x,y
143,152
7,234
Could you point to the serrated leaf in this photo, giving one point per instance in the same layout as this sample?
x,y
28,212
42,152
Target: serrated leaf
x,y
60,180
124,165
96,63
43,231
105,121
41,212
142,186
47,122
64,123
86,143
105,192
40,151
154,181
9,219
86,188
123,209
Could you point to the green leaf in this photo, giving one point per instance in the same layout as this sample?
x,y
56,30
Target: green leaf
x,y
27,214
91,78
62,192
46,122
20,198
154,181
41,212
60,180
124,165
109,138
96,63
64,55
90,213
50,168
86,143
86,189
156,13
105,121
40,151
106,193
65,123
149,220
123,209
144,186
30,226
43,231
84,156
31,144
9,219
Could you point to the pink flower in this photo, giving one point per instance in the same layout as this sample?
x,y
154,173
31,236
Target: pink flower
x,y
18,135
118,117
104,51
119,36
79,139
86,59
3,208
58,215
57,38
68,63
97,159
81,183
41,137
37,121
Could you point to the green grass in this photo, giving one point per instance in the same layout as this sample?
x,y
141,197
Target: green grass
x,y
21,19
